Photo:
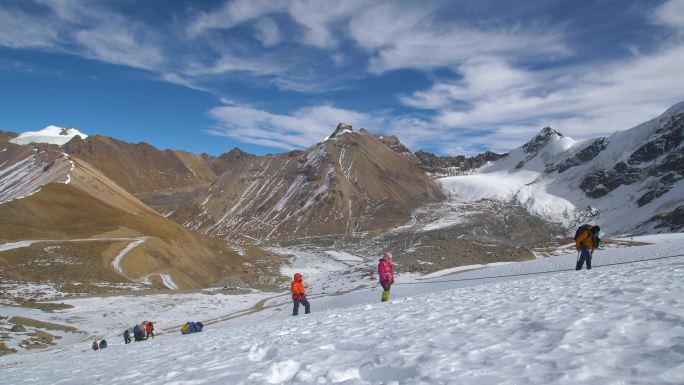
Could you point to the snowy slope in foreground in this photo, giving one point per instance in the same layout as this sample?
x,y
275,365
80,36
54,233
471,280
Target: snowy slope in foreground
x,y
50,134
615,324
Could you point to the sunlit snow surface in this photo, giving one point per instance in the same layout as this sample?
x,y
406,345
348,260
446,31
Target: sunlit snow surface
x,y
50,134
613,324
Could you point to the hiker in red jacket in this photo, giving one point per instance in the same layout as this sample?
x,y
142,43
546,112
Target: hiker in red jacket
x,y
149,329
299,295
386,273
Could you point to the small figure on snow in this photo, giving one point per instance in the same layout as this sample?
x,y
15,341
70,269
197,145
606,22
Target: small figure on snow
x,y
299,295
138,333
95,346
149,329
127,337
586,241
386,273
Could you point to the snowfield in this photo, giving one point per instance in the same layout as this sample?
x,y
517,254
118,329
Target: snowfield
x,y
50,134
614,324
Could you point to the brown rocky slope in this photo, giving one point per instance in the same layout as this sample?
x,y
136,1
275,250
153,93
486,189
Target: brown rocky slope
x,y
347,186
59,200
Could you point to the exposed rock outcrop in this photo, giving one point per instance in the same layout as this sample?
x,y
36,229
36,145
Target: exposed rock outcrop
x,y
661,158
582,157
341,129
454,165
536,144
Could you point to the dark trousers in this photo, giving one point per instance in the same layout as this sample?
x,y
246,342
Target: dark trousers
x,y
585,254
305,302
127,340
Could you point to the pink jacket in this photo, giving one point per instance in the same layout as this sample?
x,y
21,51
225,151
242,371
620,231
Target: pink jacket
x,y
386,271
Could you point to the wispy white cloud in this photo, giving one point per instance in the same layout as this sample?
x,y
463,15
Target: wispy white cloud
x,y
482,78
670,14
130,47
228,63
90,31
267,32
299,129
232,13
19,30
323,22
181,80
398,37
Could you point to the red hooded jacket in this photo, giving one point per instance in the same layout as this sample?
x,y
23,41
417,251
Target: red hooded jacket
x,y
297,287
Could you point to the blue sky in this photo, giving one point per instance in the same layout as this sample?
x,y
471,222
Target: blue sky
x,y
452,77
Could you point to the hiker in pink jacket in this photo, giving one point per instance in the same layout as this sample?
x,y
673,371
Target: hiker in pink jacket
x,y
386,272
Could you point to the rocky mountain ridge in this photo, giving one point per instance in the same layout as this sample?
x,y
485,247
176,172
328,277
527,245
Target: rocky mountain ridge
x,y
629,182
440,166
346,186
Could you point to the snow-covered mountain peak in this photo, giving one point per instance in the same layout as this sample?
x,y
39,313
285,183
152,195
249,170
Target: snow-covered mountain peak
x,y
50,134
342,128
674,110
540,140
546,148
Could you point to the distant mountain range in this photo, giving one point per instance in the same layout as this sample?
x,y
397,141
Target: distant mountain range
x,y
173,211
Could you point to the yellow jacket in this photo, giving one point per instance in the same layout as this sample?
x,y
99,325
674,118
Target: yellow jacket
x,y
585,239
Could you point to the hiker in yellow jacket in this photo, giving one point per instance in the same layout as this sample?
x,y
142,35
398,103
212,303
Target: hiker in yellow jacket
x,y
586,241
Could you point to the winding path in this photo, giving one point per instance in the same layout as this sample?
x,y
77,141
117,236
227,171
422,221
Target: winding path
x,y
116,263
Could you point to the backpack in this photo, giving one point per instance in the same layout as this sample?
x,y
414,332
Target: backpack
x,y
185,329
596,240
103,344
580,230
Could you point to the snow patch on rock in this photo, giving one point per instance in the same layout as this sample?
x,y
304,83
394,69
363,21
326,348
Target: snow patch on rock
x,y
50,134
